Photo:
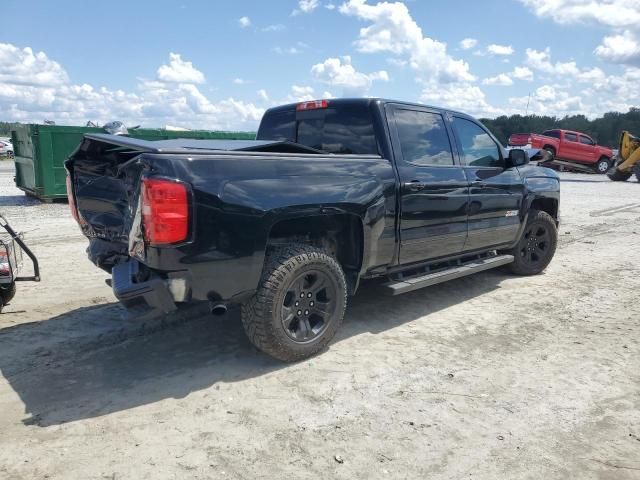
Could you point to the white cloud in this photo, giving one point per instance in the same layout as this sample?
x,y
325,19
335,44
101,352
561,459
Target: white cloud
x,y
22,66
500,80
299,47
300,93
495,49
287,51
468,43
179,71
278,27
244,22
593,75
522,73
546,92
465,97
306,6
611,13
397,62
392,29
568,70
539,60
172,99
340,73
262,95
549,100
623,48
613,92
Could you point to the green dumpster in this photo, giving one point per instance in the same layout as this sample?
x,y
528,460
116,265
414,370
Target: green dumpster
x,y
40,152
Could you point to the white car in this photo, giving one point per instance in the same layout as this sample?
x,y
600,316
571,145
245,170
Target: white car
x,y
6,149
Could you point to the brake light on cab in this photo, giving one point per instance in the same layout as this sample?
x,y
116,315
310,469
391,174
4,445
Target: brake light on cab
x,y
312,105
165,211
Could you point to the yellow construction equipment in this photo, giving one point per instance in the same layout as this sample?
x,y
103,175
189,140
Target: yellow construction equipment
x,y
628,161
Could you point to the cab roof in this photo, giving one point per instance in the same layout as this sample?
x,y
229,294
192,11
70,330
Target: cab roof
x,y
368,101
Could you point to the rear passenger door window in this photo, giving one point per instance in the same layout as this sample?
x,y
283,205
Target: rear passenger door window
x,y
423,138
570,137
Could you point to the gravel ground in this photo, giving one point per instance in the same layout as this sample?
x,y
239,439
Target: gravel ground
x,y
489,377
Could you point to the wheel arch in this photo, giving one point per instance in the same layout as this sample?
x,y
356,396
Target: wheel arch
x,y
340,234
546,204
550,147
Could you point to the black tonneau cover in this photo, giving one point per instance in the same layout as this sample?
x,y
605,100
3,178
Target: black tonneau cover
x,y
187,145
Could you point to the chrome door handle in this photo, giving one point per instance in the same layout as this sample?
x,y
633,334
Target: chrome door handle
x,y
414,186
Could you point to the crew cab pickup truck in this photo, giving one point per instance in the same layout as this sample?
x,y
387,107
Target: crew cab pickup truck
x,y
287,226
568,148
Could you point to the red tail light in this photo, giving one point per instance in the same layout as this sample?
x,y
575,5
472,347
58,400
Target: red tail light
x,y
165,211
72,201
312,105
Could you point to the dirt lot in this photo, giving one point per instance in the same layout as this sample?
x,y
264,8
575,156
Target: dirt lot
x,y
487,377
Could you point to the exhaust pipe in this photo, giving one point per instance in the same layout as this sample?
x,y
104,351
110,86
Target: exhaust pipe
x,y
218,309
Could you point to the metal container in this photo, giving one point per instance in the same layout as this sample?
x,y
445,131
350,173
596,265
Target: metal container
x,y
40,152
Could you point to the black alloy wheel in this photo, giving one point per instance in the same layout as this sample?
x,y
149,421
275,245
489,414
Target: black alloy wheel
x,y
535,244
309,305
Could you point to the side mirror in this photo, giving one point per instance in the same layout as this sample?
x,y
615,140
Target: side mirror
x,y
517,158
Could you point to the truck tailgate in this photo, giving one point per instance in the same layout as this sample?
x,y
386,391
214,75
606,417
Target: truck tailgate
x,y
106,198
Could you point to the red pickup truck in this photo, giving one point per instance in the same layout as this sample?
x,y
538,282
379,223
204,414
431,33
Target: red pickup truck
x,y
566,146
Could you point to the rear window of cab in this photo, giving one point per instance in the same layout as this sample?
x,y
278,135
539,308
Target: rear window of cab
x,y
336,129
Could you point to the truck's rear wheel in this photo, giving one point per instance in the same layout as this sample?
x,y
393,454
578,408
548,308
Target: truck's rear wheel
x,y
602,166
299,304
537,245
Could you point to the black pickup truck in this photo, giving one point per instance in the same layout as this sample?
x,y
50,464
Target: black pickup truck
x,y
331,192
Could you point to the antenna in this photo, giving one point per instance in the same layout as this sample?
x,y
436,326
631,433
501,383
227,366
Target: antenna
x,y
527,110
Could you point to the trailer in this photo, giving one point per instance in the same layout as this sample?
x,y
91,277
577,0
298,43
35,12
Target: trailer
x,y
12,251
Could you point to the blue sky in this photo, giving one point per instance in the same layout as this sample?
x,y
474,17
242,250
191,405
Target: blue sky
x,y
219,64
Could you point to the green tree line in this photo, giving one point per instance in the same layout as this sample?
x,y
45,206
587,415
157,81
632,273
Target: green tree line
x,y
606,129
5,129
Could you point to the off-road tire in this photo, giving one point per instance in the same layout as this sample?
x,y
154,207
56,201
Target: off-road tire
x,y
262,314
551,152
618,176
7,292
602,166
522,264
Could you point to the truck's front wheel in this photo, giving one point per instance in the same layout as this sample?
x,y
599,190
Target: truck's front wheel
x,y
299,304
537,245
